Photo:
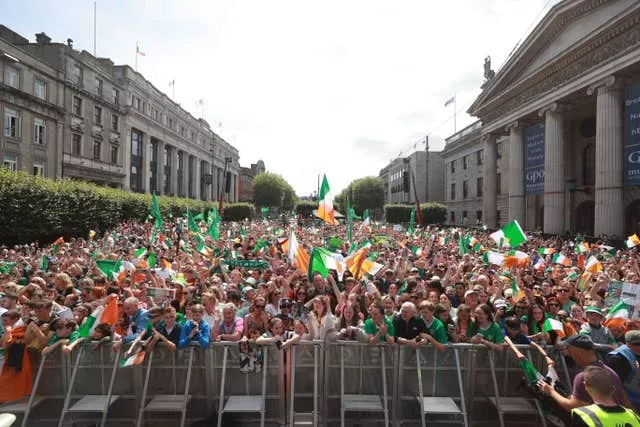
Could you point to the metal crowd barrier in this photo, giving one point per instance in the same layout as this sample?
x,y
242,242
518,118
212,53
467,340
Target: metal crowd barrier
x,y
313,383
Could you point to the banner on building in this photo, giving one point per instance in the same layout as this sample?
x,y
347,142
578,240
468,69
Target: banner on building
x,y
632,136
534,159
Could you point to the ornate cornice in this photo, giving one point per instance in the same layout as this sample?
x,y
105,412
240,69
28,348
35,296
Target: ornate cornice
x,y
619,40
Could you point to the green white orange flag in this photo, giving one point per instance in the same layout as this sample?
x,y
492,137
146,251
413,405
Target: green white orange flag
x,y
495,258
366,220
297,255
325,203
584,279
510,235
320,261
617,315
546,251
359,264
133,360
103,314
632,241
561,259
155,211
593,265
582,247
553,325
108,267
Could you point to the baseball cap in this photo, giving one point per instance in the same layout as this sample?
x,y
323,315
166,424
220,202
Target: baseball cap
x,y
578,340
470,292
499,303
592,309
250,281
632,337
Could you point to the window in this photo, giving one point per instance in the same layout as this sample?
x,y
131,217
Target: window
x,y
115,96
480,157
136,143
38,131
76,144
77,74
453,191
11,123
10,162
498,217
98,86
465,162
192,135
77,106
452,217
114,154
479,185
464,217
40,89
498,183
499,150
97,116
589,165
479,216
11,76
182,130
453,166
170,122
38,168
114,122
97,149
465,189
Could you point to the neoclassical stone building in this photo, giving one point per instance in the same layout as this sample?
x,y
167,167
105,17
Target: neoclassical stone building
x,y
568,100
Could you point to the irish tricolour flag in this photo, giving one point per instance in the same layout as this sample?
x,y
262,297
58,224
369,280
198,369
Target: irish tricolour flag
x,y
617,315
510,235
553,325
561,259
593,265
632,241
297,255
325,206
104,314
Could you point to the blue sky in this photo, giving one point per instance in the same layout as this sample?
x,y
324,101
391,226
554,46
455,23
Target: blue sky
x,y
329,87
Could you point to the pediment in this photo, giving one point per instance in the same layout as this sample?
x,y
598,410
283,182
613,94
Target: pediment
x,y
565,27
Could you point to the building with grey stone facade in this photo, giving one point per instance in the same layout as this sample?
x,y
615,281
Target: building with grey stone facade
x,y
400,175
568,103
105,123
464,177
33,114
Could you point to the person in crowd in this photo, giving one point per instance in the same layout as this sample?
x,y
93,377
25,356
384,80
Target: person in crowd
x,y
513,329
602,338
378,327
484,330
582,350
434,326
624,362
410,329
605,410
195,329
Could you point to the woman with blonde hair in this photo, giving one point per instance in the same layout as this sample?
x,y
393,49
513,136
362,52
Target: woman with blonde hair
x,y
321,322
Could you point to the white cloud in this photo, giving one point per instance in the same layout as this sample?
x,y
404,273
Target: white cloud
x,y
309,87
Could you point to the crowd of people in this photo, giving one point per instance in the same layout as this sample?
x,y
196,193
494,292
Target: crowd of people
x,y
427,287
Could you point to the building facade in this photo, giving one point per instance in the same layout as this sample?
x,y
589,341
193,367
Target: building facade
x,y
113,126
246,180
464,177
568,102
404,175
32,109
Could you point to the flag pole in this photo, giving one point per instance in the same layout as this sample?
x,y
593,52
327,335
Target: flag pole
x,y
136,63
455,113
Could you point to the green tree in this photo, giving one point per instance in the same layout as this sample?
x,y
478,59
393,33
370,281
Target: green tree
x,y
272,190
367,193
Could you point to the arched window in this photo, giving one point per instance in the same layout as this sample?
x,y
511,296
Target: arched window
x,y
589,165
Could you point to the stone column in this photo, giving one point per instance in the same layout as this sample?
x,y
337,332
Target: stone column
x,y
490,199
185,174
173,185
160,167
516,173
146,162
197,178
126,159
554,174
609,205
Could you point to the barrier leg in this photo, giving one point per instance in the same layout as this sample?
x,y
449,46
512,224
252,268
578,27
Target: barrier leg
x,y
32,397
538,407
423,420
67,399
495,387
316,362
222,381
110,390
341,385
145,387
292,386
264,386
463,403
385,402
187,387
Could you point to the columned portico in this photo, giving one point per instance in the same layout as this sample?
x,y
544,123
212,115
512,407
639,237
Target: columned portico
x,y
197,179
516,173
146,162
554,170
489,201
160,167
174,171
609,207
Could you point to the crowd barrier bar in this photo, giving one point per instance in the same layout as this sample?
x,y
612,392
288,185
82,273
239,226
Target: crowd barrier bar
x,y
364,369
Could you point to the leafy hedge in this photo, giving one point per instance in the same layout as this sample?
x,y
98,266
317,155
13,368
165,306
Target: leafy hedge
x,y
238,212
305,208
432,213
35,208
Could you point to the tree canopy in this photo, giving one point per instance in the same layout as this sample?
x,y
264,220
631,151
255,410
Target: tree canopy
x,y
272,190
